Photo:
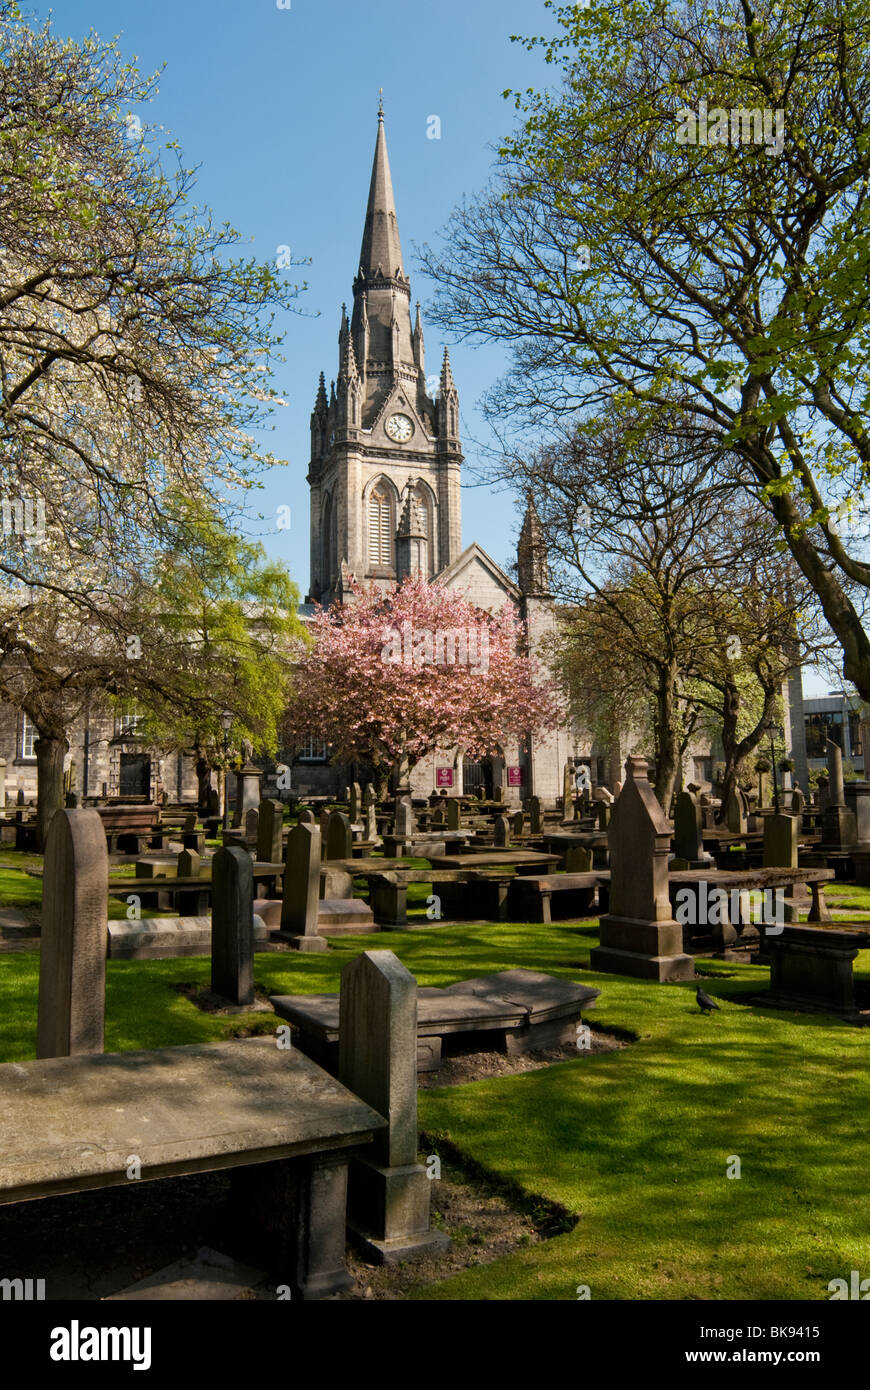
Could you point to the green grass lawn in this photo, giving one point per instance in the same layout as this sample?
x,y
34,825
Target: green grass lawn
x,y
634,1144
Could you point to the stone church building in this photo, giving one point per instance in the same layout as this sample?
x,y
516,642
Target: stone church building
x,y
385,472
385,497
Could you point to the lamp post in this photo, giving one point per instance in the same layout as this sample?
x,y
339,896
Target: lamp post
x,y
226,725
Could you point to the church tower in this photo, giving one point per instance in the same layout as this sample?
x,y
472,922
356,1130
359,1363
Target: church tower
x,y
385,454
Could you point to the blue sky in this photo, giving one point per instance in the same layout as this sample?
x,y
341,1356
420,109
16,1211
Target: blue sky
x,y
279,108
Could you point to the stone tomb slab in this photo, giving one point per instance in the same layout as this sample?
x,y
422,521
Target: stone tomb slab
x,y
164,938
529,1009
71,1122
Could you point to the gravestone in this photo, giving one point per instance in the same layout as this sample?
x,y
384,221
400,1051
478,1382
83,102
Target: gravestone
x,y
858,802
688,832
389,1192
453,813
639,936
370,796
498,793
839,829
189,864
214,802
302,889
439,819
736,812
355,802
578,860
248,778
370,822
19,799
252,823
403,821
823,796
72,963
517,823
536,815
270,839
306,816
567,789
232,925
324,826
481,793
339,837
781,852
501,832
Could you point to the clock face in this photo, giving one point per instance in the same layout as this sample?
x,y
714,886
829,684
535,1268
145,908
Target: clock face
x,y
400,428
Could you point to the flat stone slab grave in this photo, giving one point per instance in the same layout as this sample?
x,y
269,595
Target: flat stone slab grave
x,y
528,1010
163,938
69,1123
523,860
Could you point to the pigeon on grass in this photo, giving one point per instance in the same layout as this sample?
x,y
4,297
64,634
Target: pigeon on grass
x,y
705,1003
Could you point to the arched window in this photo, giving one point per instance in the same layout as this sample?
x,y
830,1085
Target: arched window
x,y
381,528
423,498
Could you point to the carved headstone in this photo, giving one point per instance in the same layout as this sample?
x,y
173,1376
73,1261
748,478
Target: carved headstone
x,y
306,816
517,823
355,802
536,815
232,925
302,889
388,1191
501,831
72,962
189,864
339,837
688,833
252,823
453,813
270,834
639,935
403,823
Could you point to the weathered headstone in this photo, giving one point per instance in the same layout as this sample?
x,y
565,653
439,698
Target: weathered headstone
x,y
578,860
839,829
736,812
781,852
189,864
302,889
389,1192
355,802
324,825
339,837
517,823
248,779
823,792
370,821
306,816
453,813
498,793
688,833
481,793
403,823
72,963
501,831
639,936
232,925
858,802
439,818
252,823
270,841
536,815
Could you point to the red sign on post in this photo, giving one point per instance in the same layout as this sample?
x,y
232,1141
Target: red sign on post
x,y
444,776
515,776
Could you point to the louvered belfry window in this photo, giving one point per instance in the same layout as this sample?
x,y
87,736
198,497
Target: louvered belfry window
x,y
380,529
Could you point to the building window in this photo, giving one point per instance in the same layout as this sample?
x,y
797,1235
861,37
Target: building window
x,y
819,728
855,747
29,735
127,725
381,529
313,750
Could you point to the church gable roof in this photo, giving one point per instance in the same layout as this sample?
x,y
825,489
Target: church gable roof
x,y
478,575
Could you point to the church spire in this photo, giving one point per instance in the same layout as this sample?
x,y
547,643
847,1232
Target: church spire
x,y
381,253
532,569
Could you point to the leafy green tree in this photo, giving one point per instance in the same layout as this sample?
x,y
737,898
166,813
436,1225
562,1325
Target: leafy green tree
x,y
724,277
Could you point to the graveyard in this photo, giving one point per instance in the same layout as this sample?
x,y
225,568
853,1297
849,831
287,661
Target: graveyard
x,y
622,1149
434,673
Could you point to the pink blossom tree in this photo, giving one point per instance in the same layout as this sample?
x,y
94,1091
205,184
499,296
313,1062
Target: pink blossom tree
x,y
398,673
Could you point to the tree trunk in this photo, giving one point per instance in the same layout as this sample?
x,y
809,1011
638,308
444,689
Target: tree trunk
x,y
50,752
668,749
